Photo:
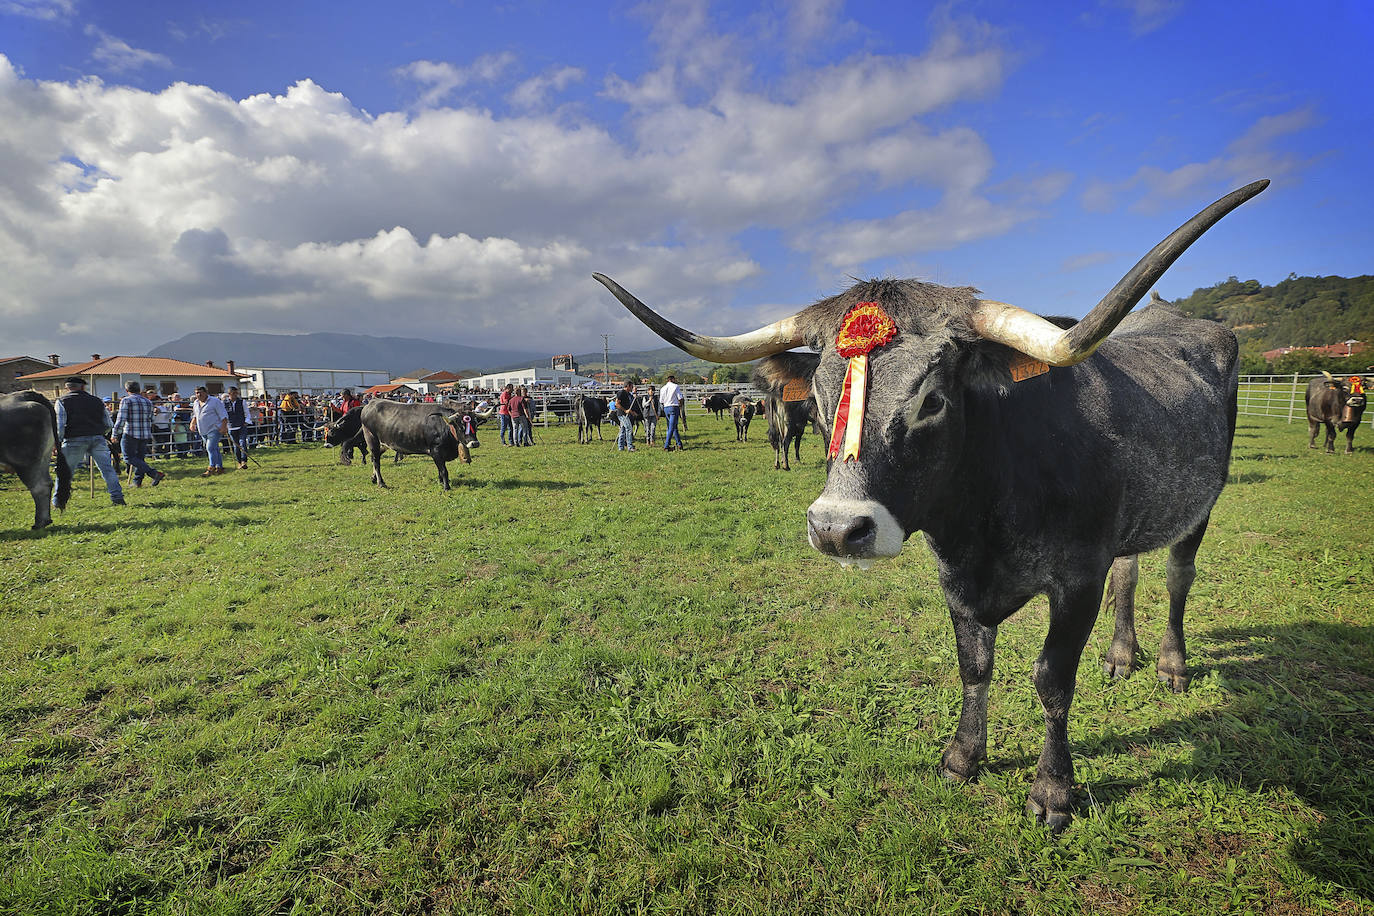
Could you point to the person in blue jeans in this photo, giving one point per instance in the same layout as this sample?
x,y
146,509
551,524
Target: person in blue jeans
x,y
210,421
624,403
134,426
672,400
83,423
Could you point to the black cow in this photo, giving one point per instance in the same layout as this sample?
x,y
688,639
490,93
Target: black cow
x,y
786,422
1025,479
28,435
1337,404
590,411
742,411
440,432
718,403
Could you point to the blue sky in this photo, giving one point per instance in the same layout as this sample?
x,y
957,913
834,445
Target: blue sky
x,y
457,170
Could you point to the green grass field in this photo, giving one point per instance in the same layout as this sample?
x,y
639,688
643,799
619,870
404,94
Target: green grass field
x,y
595,682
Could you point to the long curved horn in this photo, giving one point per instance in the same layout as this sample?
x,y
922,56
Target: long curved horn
x,y
767,340
1038,338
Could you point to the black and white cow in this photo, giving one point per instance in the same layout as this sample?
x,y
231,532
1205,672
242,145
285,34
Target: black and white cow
x,y
1033,456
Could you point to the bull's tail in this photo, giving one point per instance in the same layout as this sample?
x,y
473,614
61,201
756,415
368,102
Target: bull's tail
x,y
64,470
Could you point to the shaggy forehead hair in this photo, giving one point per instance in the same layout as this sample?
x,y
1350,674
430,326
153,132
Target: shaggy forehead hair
x,y
922,309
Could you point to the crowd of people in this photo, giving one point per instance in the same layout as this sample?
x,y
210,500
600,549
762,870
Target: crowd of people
x,y
144,424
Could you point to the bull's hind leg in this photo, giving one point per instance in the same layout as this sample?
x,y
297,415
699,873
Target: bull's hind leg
x,y
1122,656
1172,666
37,479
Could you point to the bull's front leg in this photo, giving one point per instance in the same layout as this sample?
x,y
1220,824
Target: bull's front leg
x,y
975,644
1072,612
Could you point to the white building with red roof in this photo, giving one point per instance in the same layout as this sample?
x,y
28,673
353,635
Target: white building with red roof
x,y
106,376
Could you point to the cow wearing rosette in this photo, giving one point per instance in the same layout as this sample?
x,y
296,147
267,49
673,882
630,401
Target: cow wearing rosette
x,y
1035,455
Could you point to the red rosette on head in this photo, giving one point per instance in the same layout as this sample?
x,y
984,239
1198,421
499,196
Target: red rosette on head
x,y
865,328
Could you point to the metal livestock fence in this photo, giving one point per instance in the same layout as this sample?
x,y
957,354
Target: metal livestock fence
x,y
1281,396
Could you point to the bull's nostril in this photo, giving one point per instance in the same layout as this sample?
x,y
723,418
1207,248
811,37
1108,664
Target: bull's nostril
x,y
863,529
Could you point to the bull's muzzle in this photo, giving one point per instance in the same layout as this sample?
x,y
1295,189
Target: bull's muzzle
x,y
853,531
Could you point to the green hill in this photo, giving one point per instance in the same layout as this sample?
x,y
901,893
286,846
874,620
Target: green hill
x,y
1298,312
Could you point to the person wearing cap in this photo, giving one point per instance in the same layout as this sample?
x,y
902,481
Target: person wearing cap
x,y
210,421
134,425
82,425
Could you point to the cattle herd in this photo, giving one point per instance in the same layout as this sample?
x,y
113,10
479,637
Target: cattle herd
x,y
1035,456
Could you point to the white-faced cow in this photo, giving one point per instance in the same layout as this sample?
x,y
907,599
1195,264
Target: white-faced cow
x,y
28,435
1337,404
442,433
742,410
1032,454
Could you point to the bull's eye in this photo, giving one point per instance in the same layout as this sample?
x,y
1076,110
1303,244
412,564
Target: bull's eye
x,y
932,405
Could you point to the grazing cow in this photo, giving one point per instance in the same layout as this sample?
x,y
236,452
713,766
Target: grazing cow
x,y
717,403
28,436
786,422
440,432
590,411
1337,404
742,410
947,417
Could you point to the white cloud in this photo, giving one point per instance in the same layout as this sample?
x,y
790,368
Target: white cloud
x,y
47,10
1147,15
296,211
1249,157
118,55
534,92
439,79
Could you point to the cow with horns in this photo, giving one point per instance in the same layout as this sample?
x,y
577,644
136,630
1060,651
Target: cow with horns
x,y
742,410
787,421
28,435
440,432
1035,456
1337,404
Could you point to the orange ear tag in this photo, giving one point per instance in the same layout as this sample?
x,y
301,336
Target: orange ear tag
x,y
865,328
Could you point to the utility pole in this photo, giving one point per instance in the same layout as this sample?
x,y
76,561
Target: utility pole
x,y
606,358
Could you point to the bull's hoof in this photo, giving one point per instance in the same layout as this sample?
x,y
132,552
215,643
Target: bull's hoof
x,y
39,526
1054,819
955,767
1177,681
1116,670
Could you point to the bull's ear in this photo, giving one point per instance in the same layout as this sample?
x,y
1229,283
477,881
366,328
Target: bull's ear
x,y
789,370
994,367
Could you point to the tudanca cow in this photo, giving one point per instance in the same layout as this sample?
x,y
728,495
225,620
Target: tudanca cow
x,y
786,422
28,435
590,411
742,411
1337,404
1034,455
442,433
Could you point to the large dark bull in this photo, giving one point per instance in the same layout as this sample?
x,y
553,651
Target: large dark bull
x,y
717,403
28,435
1024,481
742,411
442,433
786,422
1337,404
590,411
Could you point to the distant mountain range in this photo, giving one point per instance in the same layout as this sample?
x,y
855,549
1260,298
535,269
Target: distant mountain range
x,y
394,355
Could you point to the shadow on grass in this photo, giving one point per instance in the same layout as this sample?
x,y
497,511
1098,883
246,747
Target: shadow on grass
x,y
1301,717
128,522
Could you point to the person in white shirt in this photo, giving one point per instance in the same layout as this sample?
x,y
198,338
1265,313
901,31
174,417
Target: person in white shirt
x,y
210,421
671,398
